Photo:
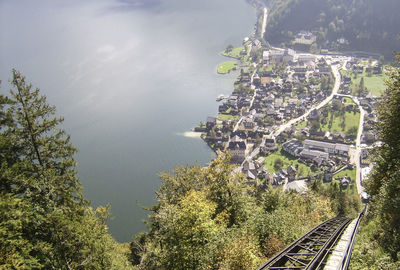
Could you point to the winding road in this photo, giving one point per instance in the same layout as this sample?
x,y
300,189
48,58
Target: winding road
x,y
355,156
335,89
281,128
264,24
263,28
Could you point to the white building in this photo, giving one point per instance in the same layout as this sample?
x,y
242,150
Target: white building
x,y
305,37
330,148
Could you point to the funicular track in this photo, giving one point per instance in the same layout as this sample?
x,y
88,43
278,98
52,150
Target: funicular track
x,y
311,250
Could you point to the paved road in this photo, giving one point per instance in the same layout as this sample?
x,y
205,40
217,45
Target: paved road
x,y
280,129
357,153
335,70
264,24
355,156
336,74
251,102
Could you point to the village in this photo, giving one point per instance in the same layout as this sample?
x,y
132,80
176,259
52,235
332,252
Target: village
x,y
293,117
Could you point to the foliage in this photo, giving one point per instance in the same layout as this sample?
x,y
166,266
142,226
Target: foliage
x,y
45,223
343,202
368,254
384,184
229,48
377,245
209,218
368,25
278,163
234,53
348,172
287,160
338,119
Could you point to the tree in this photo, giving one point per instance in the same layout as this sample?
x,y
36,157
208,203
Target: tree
x,y
337,106
384,184
314,48
361,87
45,223
324,83
278,163
229,48
197,214
240,252
44,149
15,250
187,233
381,60
315,125
210,218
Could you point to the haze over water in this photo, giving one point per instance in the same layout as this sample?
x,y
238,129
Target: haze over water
x,y
129,77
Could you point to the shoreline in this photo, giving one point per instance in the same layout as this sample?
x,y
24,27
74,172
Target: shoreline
x,y
221,132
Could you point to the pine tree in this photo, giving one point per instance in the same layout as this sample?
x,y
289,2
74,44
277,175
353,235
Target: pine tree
x,y
45,223
361,87
43,148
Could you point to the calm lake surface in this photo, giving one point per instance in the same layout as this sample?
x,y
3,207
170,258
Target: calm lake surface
x,y
130,77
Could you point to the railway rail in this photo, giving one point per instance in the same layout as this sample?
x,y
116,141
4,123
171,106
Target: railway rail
x,y
312,250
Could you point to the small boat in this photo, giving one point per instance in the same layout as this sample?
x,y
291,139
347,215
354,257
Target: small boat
x,y
220,97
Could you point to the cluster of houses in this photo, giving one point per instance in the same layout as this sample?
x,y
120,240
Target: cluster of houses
x,y
255,169
357,67
265,98
267,101
317,152
307,67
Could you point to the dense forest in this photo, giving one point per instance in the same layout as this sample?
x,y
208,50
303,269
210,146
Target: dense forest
x,y
366,25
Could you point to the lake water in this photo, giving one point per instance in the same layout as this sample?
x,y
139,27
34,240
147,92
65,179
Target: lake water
x,y
130,77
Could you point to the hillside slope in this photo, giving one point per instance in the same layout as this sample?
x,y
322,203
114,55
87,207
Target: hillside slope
x,y
367,25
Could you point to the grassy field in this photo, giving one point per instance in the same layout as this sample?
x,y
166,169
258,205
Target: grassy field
x,y
235,53
227,117
349,173
303,170
301,124
226,67
267,68
374,83
347,100
228,111
351,120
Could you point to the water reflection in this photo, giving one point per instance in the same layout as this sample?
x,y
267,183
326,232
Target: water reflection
x,y
129,77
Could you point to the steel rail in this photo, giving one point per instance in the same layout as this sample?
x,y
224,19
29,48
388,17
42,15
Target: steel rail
x,y
317,242
319,259
349,251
